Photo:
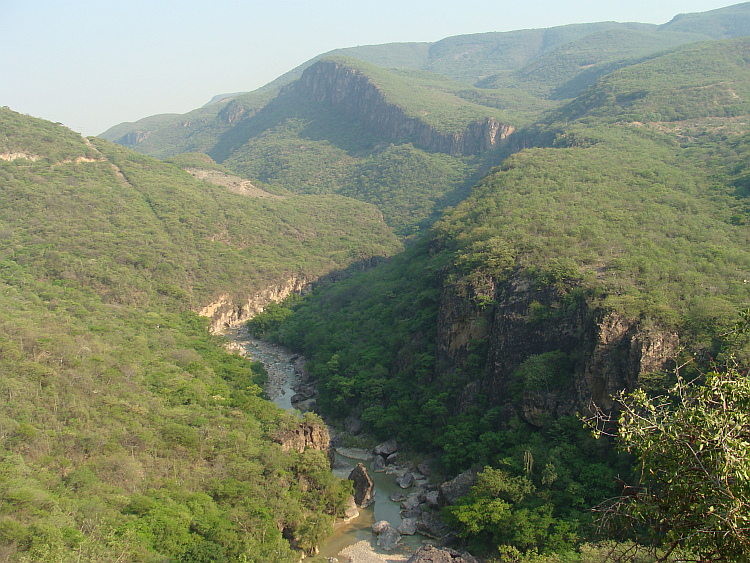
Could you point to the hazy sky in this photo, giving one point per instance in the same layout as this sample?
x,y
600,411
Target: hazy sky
x,y
92,64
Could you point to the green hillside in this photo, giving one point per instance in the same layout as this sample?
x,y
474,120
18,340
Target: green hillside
x,y
561,214
565,71
633,215
702,80
723,23
309,147
280,136
126,431
196,131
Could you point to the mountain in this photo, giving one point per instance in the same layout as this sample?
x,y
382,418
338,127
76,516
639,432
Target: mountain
x,y
126,430
497,232
591,263
346,125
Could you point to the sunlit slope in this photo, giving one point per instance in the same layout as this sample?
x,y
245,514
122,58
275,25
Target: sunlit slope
x,y
709,79
124,427
146,222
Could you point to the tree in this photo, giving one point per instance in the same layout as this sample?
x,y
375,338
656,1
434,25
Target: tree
x,y
693,448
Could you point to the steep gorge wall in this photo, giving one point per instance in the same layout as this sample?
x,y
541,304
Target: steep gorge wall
x,y
355,96
227,311
607,352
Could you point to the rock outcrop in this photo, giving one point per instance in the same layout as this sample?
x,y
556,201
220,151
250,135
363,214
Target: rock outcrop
x,y
228,311
386,448
459,486
364,488
353,93
389,539
603,351
307,435
133,138
432,554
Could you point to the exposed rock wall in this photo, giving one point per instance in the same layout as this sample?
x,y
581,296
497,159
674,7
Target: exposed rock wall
x,y
133,138
11,156
307,435
607,352
352,93
227,311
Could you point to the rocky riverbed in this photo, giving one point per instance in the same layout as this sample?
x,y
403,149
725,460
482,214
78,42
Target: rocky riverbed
x,y
404,504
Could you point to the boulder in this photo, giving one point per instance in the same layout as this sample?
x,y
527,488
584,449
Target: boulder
x,y
386,448
432,554
380,526
397,497
431,499
393,458
424,468
364,489
431,525
353,425
414,512
308,405
388,539
378,465
406,481
408,527
412,501
351,511
410,507
460,486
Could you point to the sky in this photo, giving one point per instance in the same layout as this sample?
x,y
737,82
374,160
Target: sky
x,y
91,64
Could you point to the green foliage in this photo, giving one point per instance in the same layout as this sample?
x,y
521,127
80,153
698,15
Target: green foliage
x,y
629,210
33,139
700,80
125,428
128,431
612,215
546,372
504,512
168,135
410,186
271,317
692,448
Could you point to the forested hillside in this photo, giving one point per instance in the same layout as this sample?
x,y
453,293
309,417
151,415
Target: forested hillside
x,y
507,230
126,431
577,269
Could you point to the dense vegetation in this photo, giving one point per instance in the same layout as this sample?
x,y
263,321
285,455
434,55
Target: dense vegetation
x,y
128,434
308,148
277,137
620,212
126,431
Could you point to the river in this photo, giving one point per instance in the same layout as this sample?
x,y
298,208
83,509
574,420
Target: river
x,y
355,536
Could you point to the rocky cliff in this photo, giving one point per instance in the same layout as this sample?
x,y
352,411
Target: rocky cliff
x,y
228,311
353,94
546,350
307,435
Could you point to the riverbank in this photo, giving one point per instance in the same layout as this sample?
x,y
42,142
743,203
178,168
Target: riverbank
x,y
364,552
353,541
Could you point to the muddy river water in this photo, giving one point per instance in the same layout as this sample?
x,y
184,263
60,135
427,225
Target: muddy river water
x,y
282,379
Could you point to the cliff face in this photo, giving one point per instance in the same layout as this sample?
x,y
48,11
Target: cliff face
x,y
597,353
226,311
354,95
307,435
